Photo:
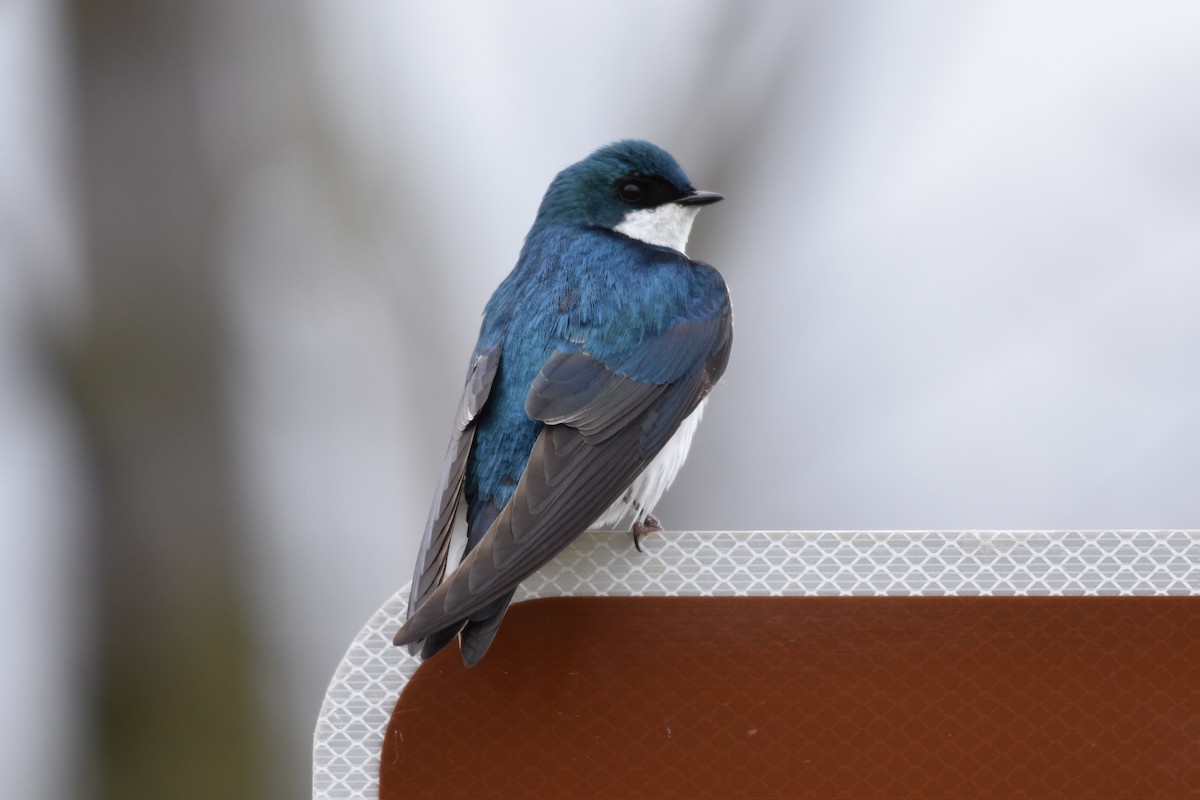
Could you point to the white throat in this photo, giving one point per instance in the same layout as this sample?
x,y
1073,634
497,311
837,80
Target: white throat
x,y
667,225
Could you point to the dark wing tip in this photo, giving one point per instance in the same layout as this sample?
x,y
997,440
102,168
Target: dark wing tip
x,y
401,638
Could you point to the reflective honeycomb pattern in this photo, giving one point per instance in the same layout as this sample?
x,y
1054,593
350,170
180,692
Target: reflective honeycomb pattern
x,y
353,720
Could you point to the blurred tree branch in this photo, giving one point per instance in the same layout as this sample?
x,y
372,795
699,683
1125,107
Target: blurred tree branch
x,y
177,715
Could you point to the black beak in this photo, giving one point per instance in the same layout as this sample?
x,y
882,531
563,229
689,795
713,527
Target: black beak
x,y
699,198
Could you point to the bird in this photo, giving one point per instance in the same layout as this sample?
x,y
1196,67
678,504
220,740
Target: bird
x,y
595,358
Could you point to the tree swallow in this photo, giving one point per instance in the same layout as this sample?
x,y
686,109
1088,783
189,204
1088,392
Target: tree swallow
x,y
595,358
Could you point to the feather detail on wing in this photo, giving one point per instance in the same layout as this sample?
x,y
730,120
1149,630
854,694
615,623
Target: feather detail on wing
x,y
604,422
435,544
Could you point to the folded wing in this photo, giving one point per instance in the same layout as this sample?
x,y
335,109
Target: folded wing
x,y
435,543
604,422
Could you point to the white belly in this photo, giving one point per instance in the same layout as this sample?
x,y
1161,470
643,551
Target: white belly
x,y
647,489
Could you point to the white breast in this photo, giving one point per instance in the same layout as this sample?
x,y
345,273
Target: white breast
x,y
667,225
648,487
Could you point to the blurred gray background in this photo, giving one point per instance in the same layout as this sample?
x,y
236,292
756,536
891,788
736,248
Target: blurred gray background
x,y
244,245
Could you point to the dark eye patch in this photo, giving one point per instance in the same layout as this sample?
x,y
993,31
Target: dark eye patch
x,y
646,192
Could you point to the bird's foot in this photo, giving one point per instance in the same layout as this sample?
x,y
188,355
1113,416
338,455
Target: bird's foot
x,y
640,530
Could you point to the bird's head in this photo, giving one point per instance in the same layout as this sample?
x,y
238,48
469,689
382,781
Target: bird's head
x,y
632,187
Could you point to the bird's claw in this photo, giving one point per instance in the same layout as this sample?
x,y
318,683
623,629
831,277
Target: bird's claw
x,y
640,530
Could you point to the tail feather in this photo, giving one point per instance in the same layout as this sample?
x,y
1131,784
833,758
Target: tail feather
x,y
481,629
478,631
435,642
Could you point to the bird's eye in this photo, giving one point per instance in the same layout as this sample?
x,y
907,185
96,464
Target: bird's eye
x,y
631,191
